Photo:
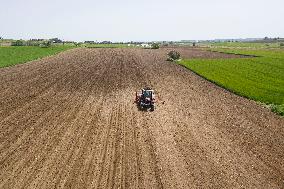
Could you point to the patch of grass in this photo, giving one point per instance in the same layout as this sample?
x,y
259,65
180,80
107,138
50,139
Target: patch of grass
x,y
10,56
260,78
245,45
279,109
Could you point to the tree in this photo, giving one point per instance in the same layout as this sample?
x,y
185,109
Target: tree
x,y
18,43
155,46
45,44
56,40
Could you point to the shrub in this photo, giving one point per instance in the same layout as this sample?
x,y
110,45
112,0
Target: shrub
x,y
173,56
45,44
155,46
281,44
77,44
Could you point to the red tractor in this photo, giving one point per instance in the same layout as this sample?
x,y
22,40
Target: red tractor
x,y
145,99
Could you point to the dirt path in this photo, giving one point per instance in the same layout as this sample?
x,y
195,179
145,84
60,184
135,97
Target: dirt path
x,y
69,121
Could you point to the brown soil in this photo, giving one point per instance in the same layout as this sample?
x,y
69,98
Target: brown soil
x,y
204,53
69,121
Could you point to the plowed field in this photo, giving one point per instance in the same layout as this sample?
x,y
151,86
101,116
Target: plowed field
x,y
70,121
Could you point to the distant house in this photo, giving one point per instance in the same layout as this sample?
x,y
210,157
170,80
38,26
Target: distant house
x,y
5,43
145,45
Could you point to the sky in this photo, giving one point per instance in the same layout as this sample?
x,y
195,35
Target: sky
x,y
141,20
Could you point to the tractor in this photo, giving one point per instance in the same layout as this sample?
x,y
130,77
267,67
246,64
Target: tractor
x,y
145,99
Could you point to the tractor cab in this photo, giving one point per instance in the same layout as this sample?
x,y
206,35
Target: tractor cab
x,y
147,93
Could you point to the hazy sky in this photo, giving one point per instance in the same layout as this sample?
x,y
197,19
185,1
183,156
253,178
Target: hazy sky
x,y
145,20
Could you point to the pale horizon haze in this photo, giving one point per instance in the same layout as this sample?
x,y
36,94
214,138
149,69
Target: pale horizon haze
x,y
133,20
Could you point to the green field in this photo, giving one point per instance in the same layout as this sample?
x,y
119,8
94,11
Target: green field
x,y
10,56
243,45
260,78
